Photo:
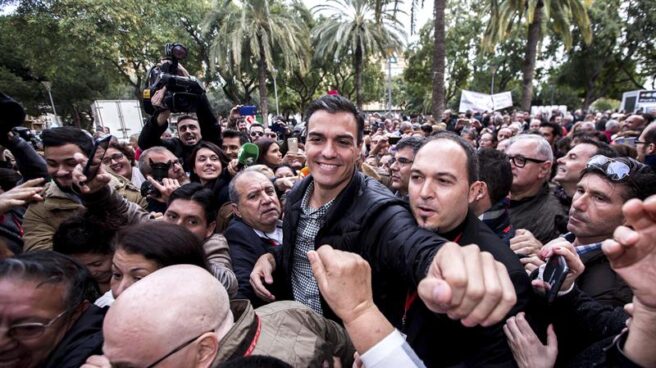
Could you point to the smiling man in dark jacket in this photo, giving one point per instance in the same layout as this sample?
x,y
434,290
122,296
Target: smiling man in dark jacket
x,y
339,206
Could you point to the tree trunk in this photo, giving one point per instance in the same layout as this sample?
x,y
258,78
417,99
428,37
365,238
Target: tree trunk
x,y
528,67
262,75
357,66
438,61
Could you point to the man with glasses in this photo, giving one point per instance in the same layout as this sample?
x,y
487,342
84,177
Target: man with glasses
x,y
646,145
401,164
176,176
47,318
256,131
532,206
200,327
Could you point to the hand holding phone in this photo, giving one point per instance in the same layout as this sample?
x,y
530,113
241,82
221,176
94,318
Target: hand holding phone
x,y
553,275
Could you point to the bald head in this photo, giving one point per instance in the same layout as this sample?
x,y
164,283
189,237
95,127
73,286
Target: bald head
x,y
162,311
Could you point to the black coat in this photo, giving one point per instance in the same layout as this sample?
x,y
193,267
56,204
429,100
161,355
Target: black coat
x,y
82,340
442,342
600,282
245,248
209,129
368,220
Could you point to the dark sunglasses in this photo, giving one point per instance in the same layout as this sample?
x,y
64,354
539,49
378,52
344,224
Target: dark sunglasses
x,y
259,134
615,170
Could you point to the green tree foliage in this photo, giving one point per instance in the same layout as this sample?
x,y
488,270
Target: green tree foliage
x,y
536,16
250,32
620,57
355,28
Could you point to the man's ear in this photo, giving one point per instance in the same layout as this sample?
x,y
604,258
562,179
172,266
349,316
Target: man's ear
x,y
477,191
235,209
210,229
650,149
208,347
545,169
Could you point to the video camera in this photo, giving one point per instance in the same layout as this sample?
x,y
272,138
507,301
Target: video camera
x,y
182,93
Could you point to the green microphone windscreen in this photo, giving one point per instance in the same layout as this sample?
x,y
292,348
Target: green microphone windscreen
x,y
248,154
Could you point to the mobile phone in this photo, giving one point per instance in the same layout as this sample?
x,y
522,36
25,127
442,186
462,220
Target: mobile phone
x,y
248,110
292,145
393,140
554,274
95,159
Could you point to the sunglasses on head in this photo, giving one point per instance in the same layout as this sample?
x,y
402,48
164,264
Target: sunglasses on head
x,y
614,169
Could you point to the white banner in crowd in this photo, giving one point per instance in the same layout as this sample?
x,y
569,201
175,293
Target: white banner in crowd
x,y
475,101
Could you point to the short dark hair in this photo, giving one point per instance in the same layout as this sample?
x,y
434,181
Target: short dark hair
x,y
165,244
198,193
650,136
334,104
231,133
557,130
470,152
47,267
59,136
494,169
255,125
81,235
210,146
640,183
602,148
413,142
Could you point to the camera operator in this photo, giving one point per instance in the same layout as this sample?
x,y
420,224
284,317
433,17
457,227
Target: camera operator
x,y
191,129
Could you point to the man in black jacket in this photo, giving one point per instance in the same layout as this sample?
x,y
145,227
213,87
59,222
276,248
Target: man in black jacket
x,y
339,206
440,194
45,306
191,130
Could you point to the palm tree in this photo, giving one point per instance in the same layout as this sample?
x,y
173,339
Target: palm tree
x,y
355,27
556,14
249,32
439,54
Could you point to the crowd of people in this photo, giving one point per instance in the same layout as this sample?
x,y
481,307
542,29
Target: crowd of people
x,y
352,240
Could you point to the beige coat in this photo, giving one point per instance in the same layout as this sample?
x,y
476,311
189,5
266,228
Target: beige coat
x,y
42,219
289,331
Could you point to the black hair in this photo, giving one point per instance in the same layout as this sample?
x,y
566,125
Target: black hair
x,y
557,130
640,183
81,235
264,144
59,136
494,169
163,243
334,104
212,147
48,267
413,142
231,133
602,148
470,152
200,194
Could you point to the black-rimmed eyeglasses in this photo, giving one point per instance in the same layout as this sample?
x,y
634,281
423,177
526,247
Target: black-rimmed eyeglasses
x,y
520,161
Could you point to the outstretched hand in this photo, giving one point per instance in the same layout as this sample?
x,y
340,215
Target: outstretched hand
x,y
85,186
20,195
